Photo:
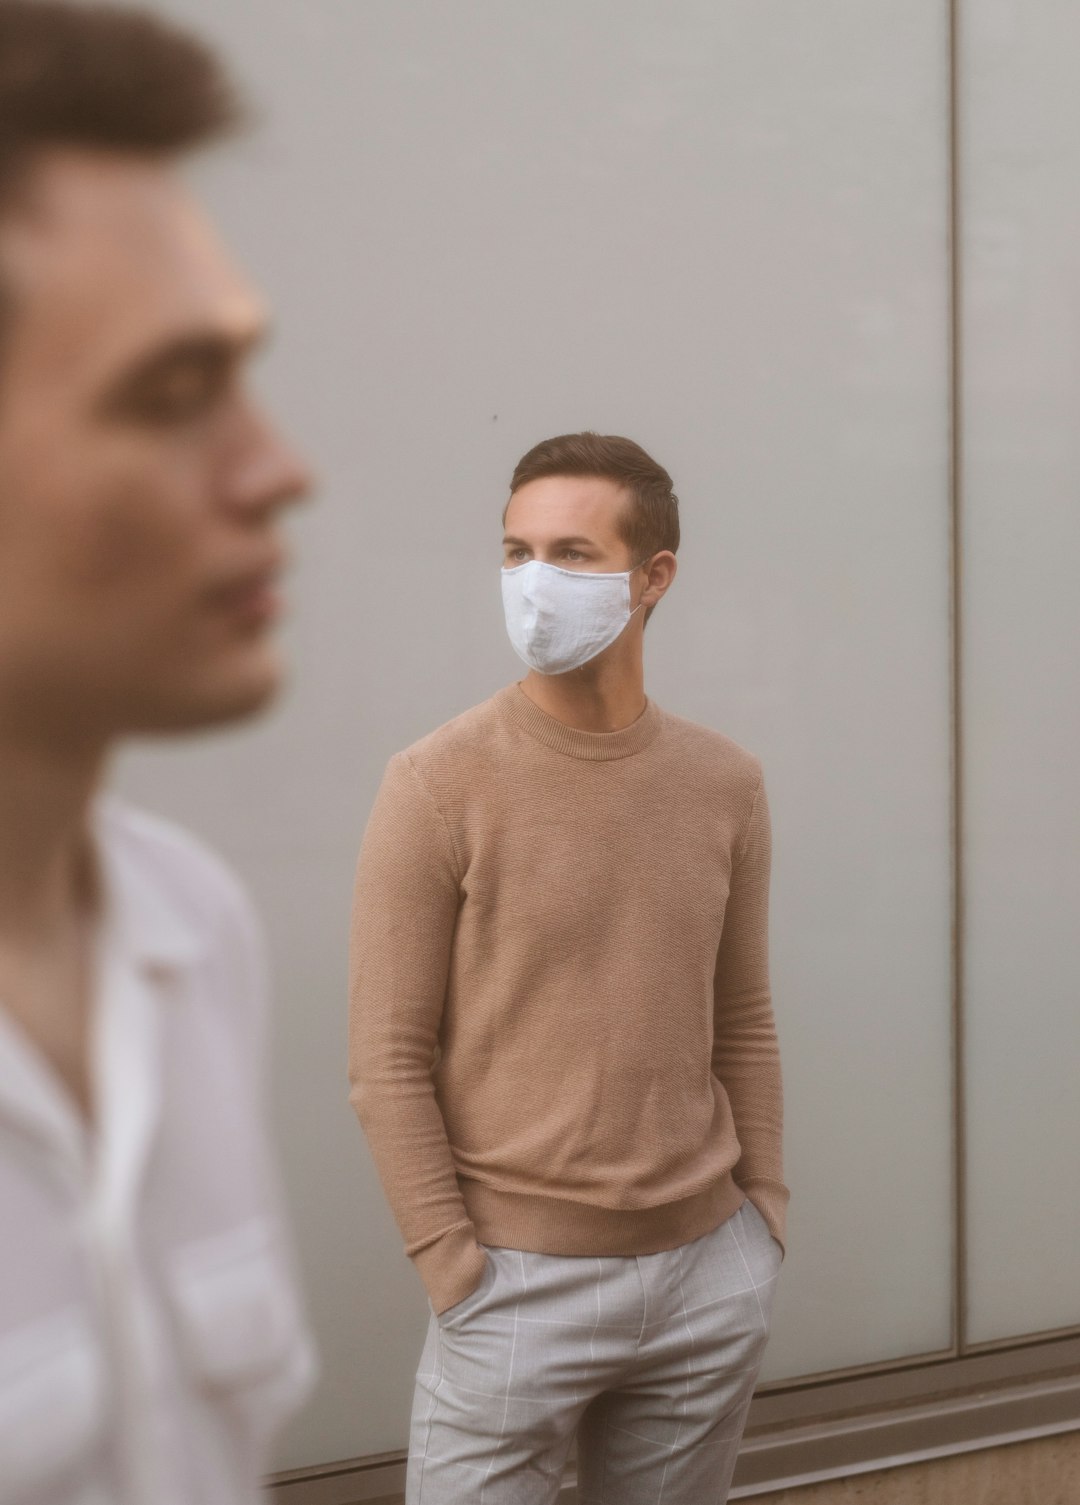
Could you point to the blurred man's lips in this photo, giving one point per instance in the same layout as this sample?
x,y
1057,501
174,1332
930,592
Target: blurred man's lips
x,y
253,596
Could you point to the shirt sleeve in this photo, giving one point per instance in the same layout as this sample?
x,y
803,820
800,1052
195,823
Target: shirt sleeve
x,y
746,1055
405,906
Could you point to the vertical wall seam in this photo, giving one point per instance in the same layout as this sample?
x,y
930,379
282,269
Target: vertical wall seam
x,y
956,415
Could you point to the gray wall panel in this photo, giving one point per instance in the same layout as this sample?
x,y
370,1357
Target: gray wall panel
x,y
1021,626
721,228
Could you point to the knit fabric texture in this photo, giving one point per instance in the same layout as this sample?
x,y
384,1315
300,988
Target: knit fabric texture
x,y
561,1035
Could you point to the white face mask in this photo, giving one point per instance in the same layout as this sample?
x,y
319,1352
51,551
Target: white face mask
x,y
560,619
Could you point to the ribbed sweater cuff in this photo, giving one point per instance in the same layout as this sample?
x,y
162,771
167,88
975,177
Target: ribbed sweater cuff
x,y
451,1268
771,1199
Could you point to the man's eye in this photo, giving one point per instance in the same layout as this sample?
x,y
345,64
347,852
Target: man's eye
x,y
572,554
176,402
181,396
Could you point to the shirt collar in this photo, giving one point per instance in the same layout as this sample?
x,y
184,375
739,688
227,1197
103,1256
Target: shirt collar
x,y
141,936
137,912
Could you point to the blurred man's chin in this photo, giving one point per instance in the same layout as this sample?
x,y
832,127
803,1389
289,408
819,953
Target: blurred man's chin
x,y
213,700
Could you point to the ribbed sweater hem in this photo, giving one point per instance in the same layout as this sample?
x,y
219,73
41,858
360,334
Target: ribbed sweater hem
x,y
553,1225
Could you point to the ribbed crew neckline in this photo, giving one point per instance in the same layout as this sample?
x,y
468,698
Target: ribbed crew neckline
x,y
595,747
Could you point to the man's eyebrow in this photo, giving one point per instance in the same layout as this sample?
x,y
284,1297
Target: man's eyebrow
x,y
556,543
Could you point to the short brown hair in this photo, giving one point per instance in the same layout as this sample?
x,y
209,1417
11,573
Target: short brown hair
x,y
108,77
103,77
650,522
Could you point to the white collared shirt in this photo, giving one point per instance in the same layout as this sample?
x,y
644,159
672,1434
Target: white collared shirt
x,y
151,1334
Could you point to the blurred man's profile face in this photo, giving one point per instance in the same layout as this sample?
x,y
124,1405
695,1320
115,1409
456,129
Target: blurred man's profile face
x,y
140,488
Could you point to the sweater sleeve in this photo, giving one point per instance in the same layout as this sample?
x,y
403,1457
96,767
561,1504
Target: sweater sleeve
x,y
746,1055
404,912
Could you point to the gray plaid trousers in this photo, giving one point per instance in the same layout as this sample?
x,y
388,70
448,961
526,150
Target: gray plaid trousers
x,y
650,1359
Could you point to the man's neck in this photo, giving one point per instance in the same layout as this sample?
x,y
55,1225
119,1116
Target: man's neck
x,y
605,697
50,897
46,867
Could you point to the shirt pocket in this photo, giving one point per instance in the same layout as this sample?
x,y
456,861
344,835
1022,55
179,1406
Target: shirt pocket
x,y
53,1407
241,1328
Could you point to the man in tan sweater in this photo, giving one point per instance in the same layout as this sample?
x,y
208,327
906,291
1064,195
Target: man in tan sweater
x,y
562,1047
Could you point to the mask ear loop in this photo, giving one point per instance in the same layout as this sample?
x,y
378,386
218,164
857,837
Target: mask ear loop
x,y
637,566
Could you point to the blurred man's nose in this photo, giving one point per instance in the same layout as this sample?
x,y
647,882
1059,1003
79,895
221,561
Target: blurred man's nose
x,y
269,474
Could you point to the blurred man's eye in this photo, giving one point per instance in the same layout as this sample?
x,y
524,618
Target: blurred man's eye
x,y
178,388
178,396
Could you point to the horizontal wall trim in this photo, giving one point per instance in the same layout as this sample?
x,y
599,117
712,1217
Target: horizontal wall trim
x,y
810,1433
917,1361
784,1458
995,1345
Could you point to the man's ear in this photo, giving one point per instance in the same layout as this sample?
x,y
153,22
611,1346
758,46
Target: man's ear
x,y
662,569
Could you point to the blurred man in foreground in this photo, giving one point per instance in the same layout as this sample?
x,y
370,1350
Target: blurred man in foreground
x,y
151,1338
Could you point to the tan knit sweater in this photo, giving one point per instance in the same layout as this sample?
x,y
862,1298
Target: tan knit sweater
x,y
561,1033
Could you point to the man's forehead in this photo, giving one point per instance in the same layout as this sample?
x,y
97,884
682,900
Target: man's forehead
x,y
110,254
592,504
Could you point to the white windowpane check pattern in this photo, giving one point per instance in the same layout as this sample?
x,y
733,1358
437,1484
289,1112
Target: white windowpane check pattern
x,y
650,1359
